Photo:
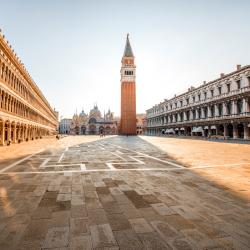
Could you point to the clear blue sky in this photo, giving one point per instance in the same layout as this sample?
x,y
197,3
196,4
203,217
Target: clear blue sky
x,y
73,49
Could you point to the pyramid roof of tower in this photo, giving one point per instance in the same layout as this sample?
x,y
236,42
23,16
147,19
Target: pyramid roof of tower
x,y
128,50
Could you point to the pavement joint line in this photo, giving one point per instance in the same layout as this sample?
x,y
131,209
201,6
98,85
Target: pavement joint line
x,y
137,160
61,157
149,156
118,156
107,170
20,161
43,164
83,167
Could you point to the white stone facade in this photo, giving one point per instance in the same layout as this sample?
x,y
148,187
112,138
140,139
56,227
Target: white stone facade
x,y
64,126
217,108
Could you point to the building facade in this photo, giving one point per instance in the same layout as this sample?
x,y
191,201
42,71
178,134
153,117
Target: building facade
x,y
140,124
94,123
24,112
128,92
218,108
64,126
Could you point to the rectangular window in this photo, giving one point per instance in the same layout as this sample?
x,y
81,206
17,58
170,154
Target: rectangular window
x,y
199,97
181,103
238,84
193,98
212,92
219,90
205,95
228,87
187,100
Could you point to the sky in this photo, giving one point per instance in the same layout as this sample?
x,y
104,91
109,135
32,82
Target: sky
x,y
73,48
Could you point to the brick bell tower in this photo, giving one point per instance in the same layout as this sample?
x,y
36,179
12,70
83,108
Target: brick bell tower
x,y
128,92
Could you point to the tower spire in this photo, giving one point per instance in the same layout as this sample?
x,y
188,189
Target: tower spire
x,y
128,52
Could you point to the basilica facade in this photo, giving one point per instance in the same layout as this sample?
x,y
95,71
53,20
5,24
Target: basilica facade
x,y
94,123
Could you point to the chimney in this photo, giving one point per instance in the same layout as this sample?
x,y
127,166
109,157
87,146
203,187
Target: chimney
x,y
238,66
222,74
204,82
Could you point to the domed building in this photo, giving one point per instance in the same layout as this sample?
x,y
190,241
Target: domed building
x,y
94,123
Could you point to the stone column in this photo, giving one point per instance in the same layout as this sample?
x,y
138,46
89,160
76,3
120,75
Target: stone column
x,y
234,107
209,131
202,113
14,134
217,129
246,131
224,110
2,132
9,133
184,115
216,111
235,131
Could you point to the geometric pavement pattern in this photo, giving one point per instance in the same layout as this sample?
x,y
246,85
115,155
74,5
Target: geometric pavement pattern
x,y
116,193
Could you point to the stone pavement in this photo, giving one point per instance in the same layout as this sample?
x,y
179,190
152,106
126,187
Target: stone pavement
x,y
121,193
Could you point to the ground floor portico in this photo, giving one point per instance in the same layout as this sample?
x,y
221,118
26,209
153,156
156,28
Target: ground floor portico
x,y
228,130
18,130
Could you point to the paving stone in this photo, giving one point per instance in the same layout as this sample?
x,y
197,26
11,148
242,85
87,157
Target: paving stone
x,y
97,216
163,229
111,207
78,211
78,226
118,222
81,243
60,219
102,236
130,211
162,209
77,200
136,199
63,197
140,225
36,229
128,240
92,203
152,241
42,213
178,222
65,189
57,237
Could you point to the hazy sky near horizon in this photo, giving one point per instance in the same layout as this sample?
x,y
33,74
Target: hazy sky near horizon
x,y
73,49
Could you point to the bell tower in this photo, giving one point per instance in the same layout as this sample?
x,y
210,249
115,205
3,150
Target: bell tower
x,y
128,91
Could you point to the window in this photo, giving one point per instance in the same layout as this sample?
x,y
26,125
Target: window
x,y
176,105
228,87
229,108
219,90
238,84
188,115
220,109
205,112
212,92
187,101
240,106
212,111
181,103
194,114
193,98
205,95
181,116
199,97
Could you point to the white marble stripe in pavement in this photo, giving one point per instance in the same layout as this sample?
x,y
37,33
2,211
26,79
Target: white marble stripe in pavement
x,y
20,161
